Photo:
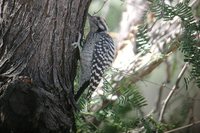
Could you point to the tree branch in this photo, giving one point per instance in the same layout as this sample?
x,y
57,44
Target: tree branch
x,y
183,127
176,86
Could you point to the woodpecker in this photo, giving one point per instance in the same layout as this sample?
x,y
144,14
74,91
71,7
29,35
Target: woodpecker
x,y
96,55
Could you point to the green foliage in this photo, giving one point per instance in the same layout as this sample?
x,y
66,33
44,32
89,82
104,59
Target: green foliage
x,y
129,94
189,39
143,39
151,125
119,115
132,97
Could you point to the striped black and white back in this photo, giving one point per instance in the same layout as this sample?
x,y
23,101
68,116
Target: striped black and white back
x,y
103,56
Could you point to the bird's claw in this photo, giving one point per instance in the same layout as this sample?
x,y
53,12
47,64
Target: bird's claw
x,y
78,43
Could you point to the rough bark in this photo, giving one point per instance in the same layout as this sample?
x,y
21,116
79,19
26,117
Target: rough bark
x,y
38,64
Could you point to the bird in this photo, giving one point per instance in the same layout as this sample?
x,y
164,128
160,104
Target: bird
x,y
96,55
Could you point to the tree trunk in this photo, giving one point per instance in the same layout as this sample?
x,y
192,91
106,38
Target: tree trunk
x,y
38,64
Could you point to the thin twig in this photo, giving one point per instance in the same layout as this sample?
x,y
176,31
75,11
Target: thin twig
x,y
176,86
183,127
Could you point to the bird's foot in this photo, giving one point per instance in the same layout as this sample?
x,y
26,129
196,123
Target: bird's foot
x,y
78,43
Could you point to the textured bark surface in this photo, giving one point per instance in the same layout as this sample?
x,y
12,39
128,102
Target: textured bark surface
x,y
38,64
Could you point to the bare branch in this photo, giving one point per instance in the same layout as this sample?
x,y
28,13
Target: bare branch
x,y
176,86
183,127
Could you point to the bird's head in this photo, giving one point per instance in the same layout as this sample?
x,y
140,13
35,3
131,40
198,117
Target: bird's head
x,y
97,24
